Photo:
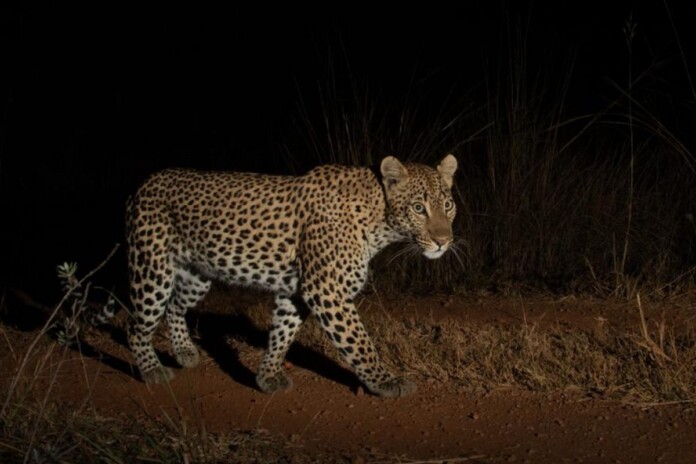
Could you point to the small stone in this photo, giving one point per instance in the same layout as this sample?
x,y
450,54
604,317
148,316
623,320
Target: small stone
x,y
474,416
360,391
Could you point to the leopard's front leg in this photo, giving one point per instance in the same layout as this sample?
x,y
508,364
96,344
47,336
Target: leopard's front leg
x,y
343,326
334,262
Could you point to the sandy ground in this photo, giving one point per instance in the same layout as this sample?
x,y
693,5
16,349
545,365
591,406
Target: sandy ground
x,y
328,411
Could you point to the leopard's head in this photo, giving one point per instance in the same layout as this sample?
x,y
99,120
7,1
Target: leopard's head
x,y
419,202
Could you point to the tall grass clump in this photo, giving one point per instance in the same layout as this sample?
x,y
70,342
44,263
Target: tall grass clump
x,y
574,203
599,203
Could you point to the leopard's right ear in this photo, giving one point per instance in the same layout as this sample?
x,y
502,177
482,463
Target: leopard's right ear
x,y
446,168
393,172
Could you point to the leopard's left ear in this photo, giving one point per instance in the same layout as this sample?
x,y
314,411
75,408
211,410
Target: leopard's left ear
x,y
393,172
446,168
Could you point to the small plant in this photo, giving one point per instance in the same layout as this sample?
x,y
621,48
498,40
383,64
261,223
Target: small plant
x,y
78,307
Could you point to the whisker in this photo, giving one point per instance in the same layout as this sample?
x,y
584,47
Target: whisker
x,y
462,241
403,251
455,252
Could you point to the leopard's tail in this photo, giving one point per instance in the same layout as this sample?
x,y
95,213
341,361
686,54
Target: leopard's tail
x,y
82,305
100,314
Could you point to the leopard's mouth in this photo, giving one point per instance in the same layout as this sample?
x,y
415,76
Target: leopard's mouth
x,y
434,254
433,250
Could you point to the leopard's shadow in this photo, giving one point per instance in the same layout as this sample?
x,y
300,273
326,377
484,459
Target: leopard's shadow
x,y
213,331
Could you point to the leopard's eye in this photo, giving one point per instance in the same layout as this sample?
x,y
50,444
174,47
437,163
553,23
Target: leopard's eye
x,y
419,208
449,204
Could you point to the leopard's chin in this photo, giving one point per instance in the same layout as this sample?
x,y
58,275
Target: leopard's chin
x,y
434,254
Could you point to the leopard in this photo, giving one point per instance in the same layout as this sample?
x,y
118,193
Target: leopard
x,y
307,238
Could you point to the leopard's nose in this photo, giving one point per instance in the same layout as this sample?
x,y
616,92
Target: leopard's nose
x,y
440,232
441,240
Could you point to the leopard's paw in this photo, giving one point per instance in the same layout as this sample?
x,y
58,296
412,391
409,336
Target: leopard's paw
x,y
398,386
277,382
160,374
188,357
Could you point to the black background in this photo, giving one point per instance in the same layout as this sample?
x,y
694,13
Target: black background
x,y
95,98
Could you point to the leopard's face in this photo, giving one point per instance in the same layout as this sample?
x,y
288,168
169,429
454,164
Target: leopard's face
x,y
420,203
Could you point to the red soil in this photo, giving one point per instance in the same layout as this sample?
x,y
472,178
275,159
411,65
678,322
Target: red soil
x,y
327,411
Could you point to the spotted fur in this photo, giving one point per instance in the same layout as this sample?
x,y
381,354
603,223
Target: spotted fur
x,y
308,239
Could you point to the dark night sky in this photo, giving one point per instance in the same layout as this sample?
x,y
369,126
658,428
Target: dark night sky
x,y
95,99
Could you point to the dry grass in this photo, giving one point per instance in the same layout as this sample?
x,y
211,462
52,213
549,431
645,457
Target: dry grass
x,y
38,432
643,364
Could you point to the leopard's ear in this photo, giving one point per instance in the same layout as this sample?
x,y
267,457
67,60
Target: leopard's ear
x,y
446,168
393,172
